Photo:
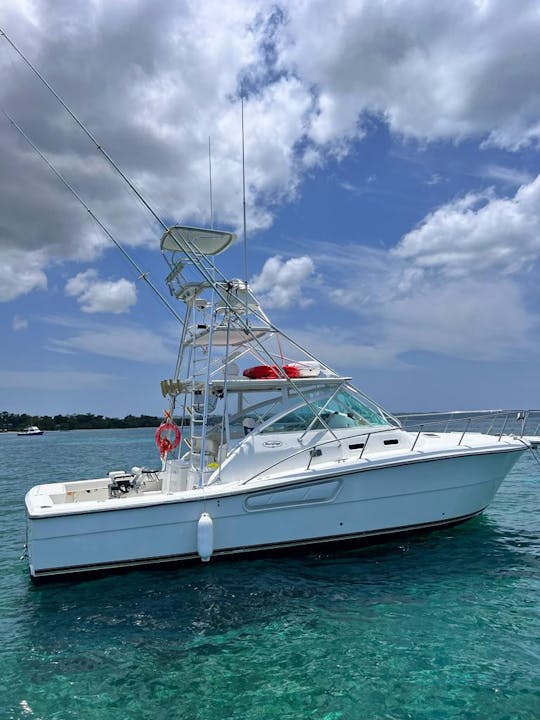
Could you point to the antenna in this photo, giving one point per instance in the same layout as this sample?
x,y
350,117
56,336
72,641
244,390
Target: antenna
x,y
210,182
244,203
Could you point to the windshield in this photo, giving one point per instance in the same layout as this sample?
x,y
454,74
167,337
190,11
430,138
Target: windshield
x,y
342,410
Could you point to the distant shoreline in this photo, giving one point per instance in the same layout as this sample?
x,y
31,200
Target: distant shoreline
x,y
17,422
46,432
13,423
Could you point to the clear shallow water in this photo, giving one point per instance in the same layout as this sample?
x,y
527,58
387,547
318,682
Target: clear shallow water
x,y
436,627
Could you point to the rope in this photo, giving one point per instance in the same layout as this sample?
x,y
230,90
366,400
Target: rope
x,y
530,448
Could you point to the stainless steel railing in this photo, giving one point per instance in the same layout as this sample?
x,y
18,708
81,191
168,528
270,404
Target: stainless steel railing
x,y
494,422
491,422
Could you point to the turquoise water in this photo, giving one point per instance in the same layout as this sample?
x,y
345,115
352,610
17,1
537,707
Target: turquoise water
x,y
435,627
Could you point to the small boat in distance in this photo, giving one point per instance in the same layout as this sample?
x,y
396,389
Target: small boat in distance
x,y
31,430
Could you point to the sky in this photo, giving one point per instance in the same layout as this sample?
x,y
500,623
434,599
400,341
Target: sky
x,y
392,191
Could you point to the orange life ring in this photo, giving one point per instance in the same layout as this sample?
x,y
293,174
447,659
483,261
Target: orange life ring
x,y
163,440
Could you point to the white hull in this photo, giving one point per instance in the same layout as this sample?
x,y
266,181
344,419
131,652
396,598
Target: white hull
x,y
375,499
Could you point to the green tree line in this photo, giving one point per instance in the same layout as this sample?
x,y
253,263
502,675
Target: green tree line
x,y
86,421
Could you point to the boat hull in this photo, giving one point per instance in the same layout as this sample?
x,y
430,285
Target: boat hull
x,y
369,502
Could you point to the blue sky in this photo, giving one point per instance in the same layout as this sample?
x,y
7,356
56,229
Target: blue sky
x,y
393,191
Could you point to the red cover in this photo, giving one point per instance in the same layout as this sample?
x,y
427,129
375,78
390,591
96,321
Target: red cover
x,y
269,372
262,372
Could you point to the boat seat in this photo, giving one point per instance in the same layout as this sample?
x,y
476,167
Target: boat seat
x,y
248,423
337,420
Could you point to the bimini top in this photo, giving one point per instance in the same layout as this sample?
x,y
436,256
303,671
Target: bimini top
x,y
197,241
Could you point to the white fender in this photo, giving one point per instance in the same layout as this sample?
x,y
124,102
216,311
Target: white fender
x,y
205,537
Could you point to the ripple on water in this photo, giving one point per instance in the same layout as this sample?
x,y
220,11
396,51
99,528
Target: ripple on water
x,y
439,626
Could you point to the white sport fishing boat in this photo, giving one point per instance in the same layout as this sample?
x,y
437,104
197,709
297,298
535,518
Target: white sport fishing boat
x,y
278,450
30,431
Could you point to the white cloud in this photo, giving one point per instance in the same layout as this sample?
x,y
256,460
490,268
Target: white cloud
x,y
20,273
478,233
344,349
95,295
132,343
466,318
508,175
19,323
435,179
463,318
388,306
152,93
433,70
165,93
279,284
54,380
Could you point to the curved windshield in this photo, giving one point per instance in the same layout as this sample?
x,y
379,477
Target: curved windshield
x,y
342,410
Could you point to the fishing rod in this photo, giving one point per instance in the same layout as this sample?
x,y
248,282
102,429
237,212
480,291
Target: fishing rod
x,y
210,184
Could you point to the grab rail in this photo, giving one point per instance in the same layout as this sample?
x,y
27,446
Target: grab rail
x,y
489,422
315,450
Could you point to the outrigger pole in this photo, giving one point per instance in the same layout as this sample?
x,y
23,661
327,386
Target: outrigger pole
x,y
208,276
142,275
194,259
84,129
113,164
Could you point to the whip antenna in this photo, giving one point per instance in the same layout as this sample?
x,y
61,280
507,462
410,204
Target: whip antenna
x,y
244,204
210,183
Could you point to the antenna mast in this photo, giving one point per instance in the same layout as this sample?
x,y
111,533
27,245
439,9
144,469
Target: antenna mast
x,y
210,182
244,205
